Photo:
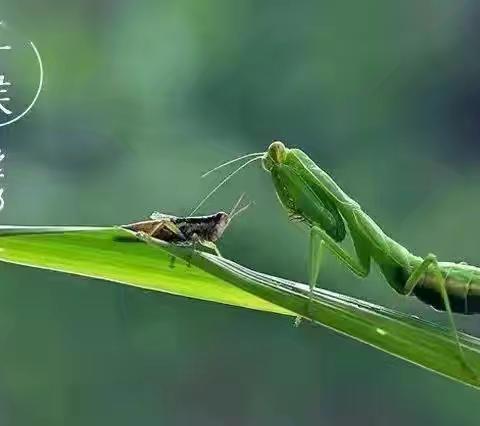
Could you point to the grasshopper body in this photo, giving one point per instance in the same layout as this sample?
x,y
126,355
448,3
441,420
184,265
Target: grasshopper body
x,y
187,231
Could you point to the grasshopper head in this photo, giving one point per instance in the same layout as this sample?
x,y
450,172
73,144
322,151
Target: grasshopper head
x,y
221,222
276,154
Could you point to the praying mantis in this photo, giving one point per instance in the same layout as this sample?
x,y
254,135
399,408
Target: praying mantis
x,y
311,196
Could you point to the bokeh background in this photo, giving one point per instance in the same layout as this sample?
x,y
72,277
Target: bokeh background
x,y
140,98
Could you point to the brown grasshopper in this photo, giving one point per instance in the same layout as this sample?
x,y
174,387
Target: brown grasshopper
x,y
186,230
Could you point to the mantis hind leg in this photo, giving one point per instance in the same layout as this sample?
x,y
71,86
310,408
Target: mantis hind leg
x,y
416,276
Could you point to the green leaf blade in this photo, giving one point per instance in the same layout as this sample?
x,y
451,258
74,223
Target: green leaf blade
x,y
116,255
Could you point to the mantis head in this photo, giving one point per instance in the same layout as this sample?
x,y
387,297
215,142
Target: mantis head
x,y
276,154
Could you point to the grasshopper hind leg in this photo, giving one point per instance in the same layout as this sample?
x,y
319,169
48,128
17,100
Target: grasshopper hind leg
x,y
195,239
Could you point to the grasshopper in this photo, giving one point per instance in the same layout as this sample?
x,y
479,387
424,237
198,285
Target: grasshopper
x,y
186,230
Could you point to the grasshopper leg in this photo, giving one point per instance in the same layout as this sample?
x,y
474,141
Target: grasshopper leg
x,y
416,276
195,240
211,246
143,236
147,238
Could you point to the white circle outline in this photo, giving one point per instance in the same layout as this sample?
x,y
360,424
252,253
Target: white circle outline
x,y
40,85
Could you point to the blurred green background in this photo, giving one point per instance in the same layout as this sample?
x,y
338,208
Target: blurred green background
x,y
140,98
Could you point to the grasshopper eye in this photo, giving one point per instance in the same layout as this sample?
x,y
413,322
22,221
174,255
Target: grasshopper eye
x,y
223,219
276,154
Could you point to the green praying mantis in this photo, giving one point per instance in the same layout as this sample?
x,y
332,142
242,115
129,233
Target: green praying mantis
x,y
311,196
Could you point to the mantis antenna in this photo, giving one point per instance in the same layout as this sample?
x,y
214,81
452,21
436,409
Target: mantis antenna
x,y
231,162
224,181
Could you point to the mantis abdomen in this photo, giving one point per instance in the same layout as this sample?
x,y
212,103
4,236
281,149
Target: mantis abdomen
x,y
462,284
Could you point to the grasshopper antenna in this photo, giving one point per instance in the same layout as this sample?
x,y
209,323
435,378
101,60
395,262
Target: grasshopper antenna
x,y
235,206
234,212
241,210
224,181
231,162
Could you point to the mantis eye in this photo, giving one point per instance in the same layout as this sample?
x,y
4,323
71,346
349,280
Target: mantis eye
x,y
276,154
